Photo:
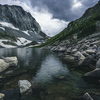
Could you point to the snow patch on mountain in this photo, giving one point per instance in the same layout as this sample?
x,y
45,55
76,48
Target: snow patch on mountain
x,y
26,32
22,41
5,45
5,24
2,28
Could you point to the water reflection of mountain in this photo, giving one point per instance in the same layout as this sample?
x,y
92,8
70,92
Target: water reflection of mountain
x,y
27,57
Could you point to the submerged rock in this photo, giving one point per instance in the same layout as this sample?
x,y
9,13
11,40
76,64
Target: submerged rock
x,y
9,72
24,86
94,73
2,96
61,77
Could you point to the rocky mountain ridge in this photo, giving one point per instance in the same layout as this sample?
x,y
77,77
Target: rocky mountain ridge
x,y
18,27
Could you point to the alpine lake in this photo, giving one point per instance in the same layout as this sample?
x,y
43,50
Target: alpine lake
x,y
53,78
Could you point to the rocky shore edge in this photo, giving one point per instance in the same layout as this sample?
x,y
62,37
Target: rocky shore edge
x,y
84,53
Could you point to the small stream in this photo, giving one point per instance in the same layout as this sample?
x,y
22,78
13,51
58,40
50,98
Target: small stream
x,y
53,79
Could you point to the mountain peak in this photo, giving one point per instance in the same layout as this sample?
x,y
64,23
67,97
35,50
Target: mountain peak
x,y
17,16
18,25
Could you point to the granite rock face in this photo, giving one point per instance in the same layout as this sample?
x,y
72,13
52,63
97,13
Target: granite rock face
x,y
3,65
24,86
18,17
18,27
6,62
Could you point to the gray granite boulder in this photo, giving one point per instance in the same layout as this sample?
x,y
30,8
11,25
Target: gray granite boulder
x,y
11,60
62,49
69,58
78,55
2,96
6,62
86,96
3,65
91,51
24,86
98,64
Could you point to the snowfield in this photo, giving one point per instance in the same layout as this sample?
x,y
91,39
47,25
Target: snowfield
x,y
22,41
5,24
6,46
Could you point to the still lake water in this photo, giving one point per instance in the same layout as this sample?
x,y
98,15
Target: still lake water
x,y
52,78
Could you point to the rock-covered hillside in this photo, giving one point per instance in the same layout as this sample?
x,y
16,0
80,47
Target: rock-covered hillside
x,y
79,43
86,25
18,27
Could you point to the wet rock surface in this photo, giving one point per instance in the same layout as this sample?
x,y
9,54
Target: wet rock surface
x,y
24,86
2,96
84,52
7,62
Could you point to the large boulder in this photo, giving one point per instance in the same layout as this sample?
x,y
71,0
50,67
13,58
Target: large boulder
x,y
24,86
84,53
79,57
86,96
11,60
98,55
74,50
98,64
2,96
5,62
69,58
94,73
88,60
91,51
62,49
3,65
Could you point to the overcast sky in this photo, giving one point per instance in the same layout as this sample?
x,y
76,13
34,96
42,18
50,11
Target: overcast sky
x,y
53,15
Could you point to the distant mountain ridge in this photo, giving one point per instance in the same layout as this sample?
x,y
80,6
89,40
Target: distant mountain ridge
x,y
17,23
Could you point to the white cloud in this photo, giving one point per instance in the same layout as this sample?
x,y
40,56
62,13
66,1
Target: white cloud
x,y
76,5
48,24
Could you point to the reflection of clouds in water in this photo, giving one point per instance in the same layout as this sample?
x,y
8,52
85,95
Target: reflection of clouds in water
x,y
24,54
52,66
21,53
1,52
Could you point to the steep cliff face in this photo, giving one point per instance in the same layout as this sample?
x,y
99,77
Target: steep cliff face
x,y
18,17
15,24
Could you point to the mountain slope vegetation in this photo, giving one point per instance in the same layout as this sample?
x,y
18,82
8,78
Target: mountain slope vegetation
x,y
88,24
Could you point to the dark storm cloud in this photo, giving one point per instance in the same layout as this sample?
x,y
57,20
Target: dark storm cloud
x,y
59,8
62,9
